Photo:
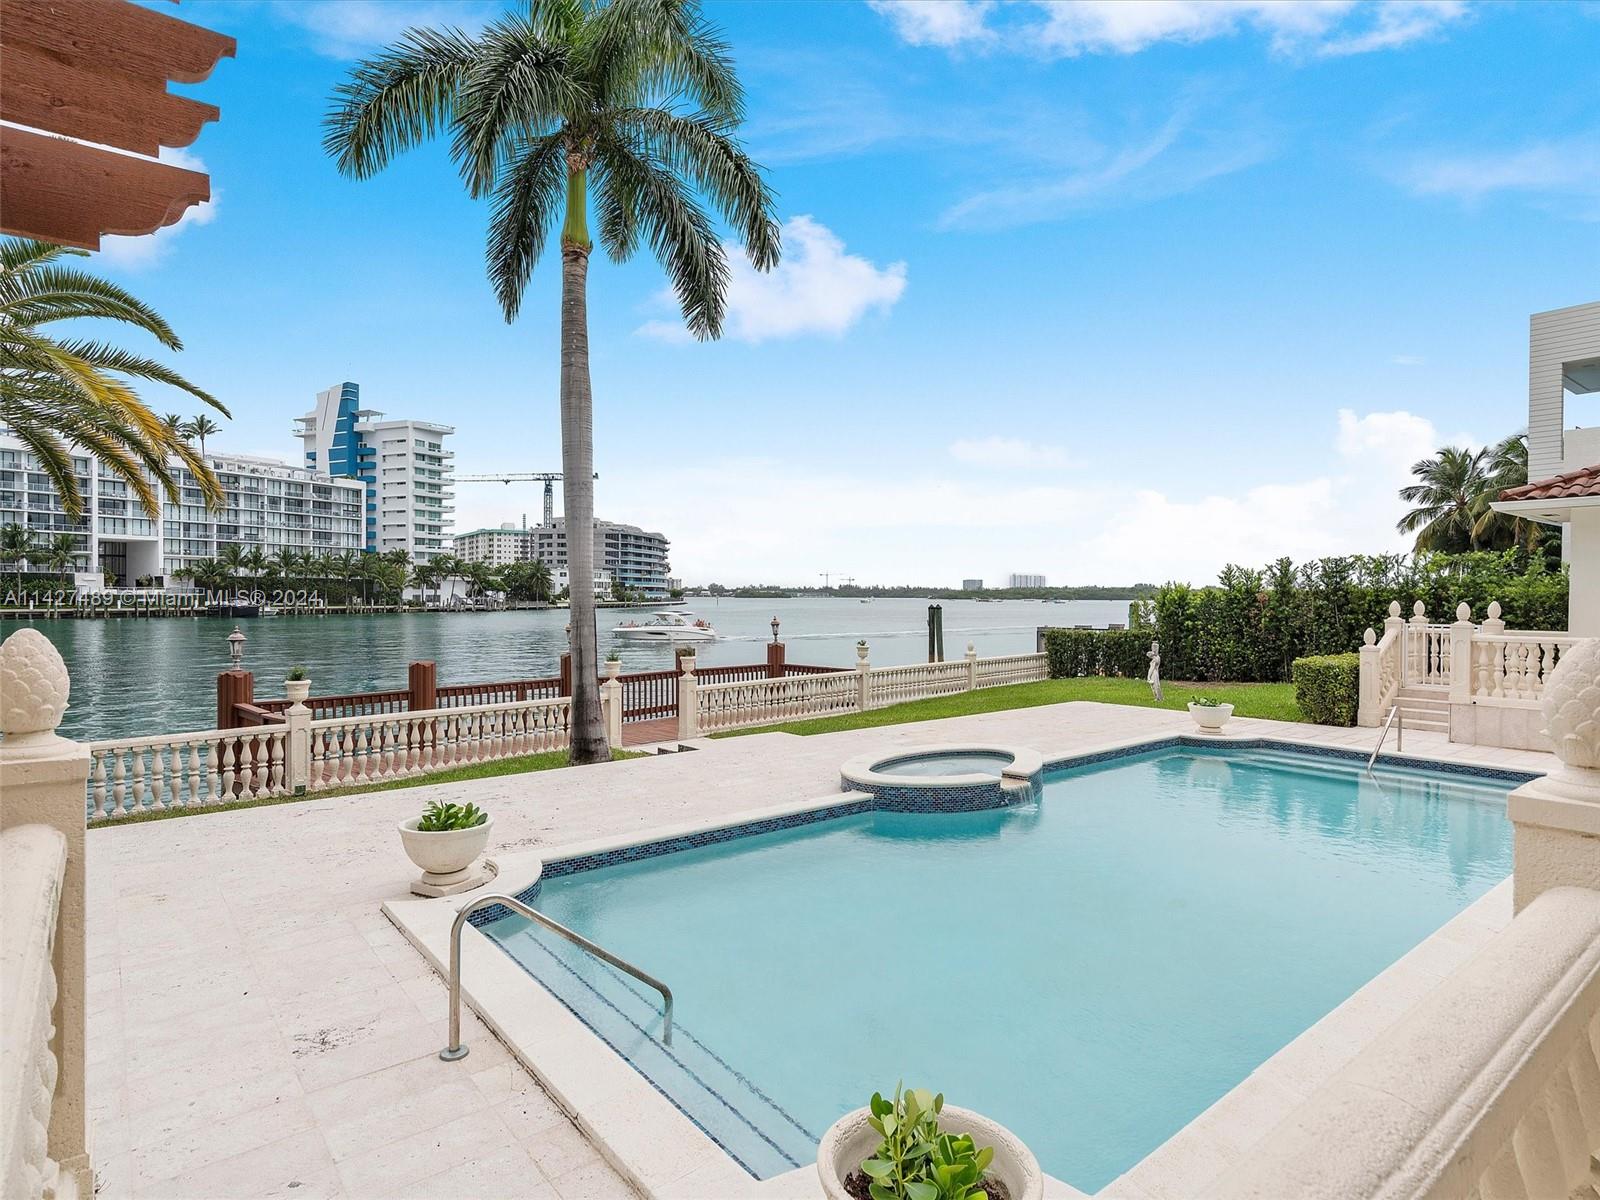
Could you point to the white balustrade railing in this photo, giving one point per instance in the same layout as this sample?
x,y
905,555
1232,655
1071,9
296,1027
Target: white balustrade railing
x,y
1012,668
1427,656
371,749
1512,667
763,701
896,685
186,770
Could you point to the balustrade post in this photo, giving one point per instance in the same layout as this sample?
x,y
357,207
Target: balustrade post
x,y
233,687
1416,656
1461,634
611,701
566,673
297,741
1492,624
1367,692
422,686
972,667
44,778
688,697
863,678
775,660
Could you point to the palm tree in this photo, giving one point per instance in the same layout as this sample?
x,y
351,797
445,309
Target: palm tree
x,y
17,545
62,553
636,99
539,578
1506,466
200,428
255,561
207,574
232,557
1450,486
60,391
174,422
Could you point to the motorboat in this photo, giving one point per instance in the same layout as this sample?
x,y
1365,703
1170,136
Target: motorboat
x,y
668,627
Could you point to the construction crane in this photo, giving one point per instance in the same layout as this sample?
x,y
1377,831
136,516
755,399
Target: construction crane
x,y
548,478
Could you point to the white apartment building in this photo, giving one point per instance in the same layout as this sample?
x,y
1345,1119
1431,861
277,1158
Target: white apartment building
x,y
637,557
1025,581
269,505
403,464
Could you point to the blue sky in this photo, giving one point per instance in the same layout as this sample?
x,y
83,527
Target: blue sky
x,y
1108,292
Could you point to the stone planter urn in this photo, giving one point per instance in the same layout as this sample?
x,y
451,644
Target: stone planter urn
x,y
850,1140
297,690
1210,718
446,856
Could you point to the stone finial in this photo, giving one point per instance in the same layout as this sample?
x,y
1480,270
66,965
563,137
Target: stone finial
x,y
861,651
1572,706
1494,610
1394,608
1463,611
33,686
1370,637
1419,610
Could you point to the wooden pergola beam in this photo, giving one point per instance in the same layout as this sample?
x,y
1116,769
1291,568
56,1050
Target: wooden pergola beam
x,y
97,71
71,194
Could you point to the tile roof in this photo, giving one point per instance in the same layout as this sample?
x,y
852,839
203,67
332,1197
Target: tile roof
x,y
1583,482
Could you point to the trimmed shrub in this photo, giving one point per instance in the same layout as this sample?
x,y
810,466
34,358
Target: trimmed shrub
x,y
1077,652
1327,688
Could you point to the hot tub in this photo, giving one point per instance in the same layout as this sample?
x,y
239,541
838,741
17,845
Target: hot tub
x,y
946,778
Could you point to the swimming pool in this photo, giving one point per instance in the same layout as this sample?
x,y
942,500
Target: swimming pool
x,y
1092,969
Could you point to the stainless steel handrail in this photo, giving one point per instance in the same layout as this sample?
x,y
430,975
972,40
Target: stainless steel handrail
x,y
1396,717
455,1050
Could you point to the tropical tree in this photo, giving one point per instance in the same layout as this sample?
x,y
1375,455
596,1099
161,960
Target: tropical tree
x,y
17,545
62,553
174,422
255,561
232,559
284,565
207,574
199,428
58,392
1446,496
1505,466
634,100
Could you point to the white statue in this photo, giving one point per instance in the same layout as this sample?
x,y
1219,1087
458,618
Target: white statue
x,y
1153,676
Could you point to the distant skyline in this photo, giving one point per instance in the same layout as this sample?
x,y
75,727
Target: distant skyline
x,y
1106,292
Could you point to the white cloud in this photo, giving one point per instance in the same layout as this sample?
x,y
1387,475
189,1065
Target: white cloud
x,y
736,520
1012,453
1176,158
816,288
1066,28
138,253
937,22
1563,175
352,28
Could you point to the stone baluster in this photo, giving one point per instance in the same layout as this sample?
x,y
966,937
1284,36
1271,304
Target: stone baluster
x,y
43,778
611,701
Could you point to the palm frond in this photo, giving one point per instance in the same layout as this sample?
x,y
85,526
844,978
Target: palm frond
x,y
111,358
518,89
396,99
526,203
644,51
50,293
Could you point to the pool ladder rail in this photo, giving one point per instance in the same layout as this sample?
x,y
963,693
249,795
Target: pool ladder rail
x,y
1396,718
455,1050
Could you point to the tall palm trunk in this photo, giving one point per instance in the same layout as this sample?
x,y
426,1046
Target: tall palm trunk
x,y
577,472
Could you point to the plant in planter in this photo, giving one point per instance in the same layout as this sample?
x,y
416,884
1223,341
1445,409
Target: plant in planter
x,y
1210,715
296,686
445,841
915,1148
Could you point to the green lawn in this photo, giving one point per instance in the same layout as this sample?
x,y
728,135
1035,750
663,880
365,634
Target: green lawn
x,y
1271,700
482,770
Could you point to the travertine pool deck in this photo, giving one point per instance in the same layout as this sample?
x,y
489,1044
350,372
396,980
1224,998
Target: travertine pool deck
x,y
259,1028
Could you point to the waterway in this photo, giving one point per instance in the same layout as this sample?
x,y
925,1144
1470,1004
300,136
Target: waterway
x,y
136,677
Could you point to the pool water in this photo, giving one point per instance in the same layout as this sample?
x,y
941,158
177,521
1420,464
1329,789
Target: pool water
x,y
1092,969
929,766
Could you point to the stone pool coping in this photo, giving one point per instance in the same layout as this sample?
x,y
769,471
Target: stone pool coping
x,y
1017,782
665,1154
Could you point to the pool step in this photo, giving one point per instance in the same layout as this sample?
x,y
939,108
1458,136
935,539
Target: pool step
x,y
1425,709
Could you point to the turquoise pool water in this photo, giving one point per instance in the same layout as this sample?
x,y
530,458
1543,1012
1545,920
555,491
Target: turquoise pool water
x,y
969,762
1092,969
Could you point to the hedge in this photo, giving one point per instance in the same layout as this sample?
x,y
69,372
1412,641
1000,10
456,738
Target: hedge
x,y
1327,688
1075,652
1252,624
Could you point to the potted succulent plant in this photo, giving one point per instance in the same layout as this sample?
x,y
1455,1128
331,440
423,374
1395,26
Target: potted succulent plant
x,y
1210,715
296,686
445,841
915,1147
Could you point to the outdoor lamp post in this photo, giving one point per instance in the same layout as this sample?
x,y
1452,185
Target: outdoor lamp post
x,y
774,629
236,641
